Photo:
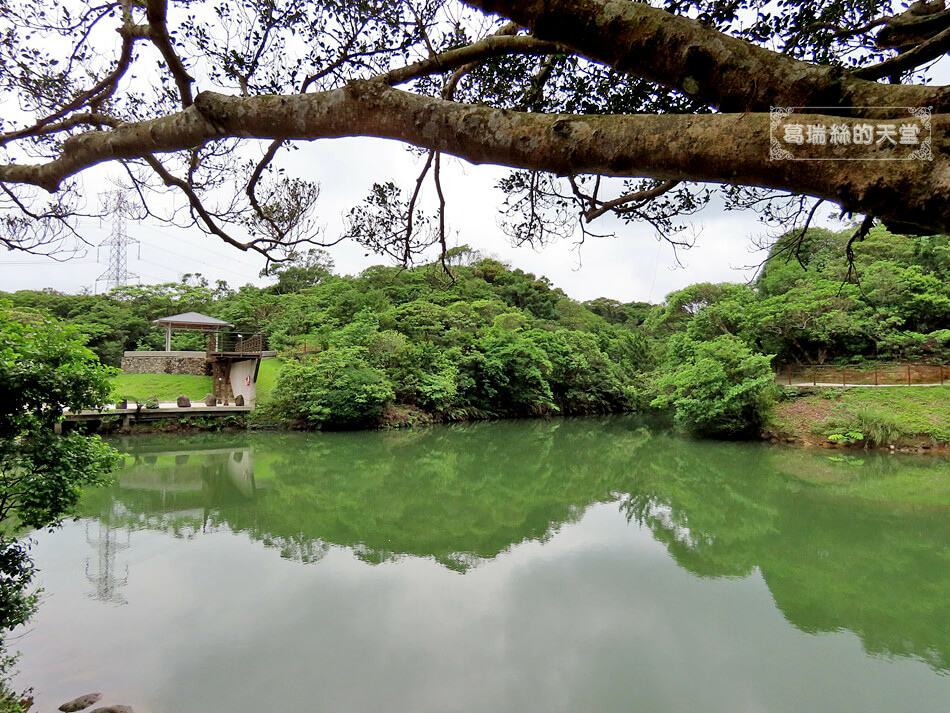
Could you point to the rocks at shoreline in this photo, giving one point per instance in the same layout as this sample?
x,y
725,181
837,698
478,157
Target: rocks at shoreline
x,y
78,704
83,702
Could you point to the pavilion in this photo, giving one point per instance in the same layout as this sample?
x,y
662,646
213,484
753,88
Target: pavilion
x,y
191,321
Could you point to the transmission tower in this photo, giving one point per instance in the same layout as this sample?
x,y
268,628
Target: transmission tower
x,y
117,273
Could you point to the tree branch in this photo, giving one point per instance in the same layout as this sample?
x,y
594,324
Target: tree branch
x,y
487,48
716,148
935,47
618,204
198,208
681,53
156,12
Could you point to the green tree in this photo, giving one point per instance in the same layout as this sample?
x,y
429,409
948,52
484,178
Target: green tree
x,y
44,368
300,271
337,389
716,388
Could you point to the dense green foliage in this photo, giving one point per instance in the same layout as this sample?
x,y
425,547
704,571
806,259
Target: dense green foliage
x,y
341,388
717,388
483,341
487,340
44,368
809,305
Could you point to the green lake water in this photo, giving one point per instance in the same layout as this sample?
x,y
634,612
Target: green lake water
x,y
562,565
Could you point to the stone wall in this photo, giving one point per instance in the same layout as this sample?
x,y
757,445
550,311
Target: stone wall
x,y
165,363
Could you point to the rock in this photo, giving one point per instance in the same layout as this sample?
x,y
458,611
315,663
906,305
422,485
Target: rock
x,y
77,704
183,401
113,709
210,400
239,400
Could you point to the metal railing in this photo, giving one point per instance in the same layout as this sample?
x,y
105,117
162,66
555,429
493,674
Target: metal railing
x,y
236,343
906,374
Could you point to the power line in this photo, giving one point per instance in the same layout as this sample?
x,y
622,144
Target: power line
x,y
191,246
48,263
202,263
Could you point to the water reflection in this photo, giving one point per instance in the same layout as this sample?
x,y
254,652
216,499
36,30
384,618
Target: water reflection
x,y
840,546
102,574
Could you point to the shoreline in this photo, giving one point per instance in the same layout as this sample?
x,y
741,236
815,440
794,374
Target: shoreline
x,y
909,419
792,424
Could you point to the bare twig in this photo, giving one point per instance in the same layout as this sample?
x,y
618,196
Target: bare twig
x,y
859,234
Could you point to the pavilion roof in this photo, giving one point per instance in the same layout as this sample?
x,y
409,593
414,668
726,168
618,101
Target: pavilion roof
x,y
192,320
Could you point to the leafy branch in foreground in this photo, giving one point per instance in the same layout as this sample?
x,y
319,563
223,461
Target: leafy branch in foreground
x,y
44,368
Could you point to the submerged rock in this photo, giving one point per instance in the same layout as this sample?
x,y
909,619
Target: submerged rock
x,y
77,704
113,709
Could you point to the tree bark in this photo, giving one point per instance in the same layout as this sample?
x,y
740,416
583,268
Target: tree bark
x,y
718,70
718,148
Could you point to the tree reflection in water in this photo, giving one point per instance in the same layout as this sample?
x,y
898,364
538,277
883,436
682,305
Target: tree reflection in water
x,y
834,552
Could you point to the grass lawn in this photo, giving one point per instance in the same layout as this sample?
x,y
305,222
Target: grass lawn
x,y
917,410
164,387
167,387
267,378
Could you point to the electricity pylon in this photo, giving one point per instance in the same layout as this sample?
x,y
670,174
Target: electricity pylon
x,y
117,273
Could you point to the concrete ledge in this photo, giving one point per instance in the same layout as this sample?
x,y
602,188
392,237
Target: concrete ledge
x,y
148,414
191,355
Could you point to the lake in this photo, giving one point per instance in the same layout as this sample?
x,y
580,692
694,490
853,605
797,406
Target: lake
x,y
585,564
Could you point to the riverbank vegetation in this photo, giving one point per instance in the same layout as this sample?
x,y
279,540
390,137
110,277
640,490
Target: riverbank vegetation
x,y
916,417
476,339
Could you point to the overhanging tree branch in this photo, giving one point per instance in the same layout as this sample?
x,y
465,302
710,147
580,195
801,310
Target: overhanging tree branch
x,y
718,70
717,148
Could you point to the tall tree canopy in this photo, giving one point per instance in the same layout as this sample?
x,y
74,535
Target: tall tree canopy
x,y
599,106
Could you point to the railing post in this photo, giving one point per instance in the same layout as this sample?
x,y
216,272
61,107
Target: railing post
x,y
908,374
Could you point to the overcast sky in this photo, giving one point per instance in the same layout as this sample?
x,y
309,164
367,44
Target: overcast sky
x,y
633,266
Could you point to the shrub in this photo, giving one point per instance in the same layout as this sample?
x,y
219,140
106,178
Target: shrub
x,y
719,388
337,389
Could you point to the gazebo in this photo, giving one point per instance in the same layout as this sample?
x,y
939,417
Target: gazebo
x,y
189,320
